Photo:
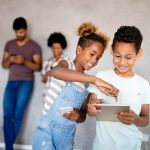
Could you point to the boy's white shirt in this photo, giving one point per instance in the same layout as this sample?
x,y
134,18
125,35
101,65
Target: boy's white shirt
x,y
134,92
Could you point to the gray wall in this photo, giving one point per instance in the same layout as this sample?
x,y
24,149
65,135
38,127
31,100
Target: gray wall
x,y
48,16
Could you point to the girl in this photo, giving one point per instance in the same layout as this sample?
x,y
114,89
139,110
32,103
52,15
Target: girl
x,y
57,42
55,131
134,91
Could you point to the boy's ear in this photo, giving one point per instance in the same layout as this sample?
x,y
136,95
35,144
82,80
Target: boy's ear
x,y
140,53
79,50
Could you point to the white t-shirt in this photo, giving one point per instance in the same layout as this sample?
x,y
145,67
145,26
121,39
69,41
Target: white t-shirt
x,y
134,91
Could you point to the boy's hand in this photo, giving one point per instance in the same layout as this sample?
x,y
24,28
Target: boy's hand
x,y
127,117
92,110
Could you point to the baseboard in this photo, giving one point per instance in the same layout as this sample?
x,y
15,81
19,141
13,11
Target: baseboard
x,y
18,146
21,147
146,137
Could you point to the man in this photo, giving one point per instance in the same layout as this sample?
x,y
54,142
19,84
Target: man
x,y
22,56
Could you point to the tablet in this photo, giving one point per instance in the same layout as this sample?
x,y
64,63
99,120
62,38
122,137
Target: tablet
x,y
109,111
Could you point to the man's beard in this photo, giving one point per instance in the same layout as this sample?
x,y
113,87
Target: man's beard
x,y
20,38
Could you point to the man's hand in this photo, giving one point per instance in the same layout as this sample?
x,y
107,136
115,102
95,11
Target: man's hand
x,y
19,59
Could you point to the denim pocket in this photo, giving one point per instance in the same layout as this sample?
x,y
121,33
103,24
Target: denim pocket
x,y
74,100
71,96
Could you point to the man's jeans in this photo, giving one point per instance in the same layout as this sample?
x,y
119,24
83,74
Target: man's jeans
x,y
16,97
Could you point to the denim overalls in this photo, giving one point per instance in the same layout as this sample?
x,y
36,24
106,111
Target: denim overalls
x,y
55,132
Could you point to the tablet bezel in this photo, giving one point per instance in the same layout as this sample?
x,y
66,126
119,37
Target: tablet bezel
x,y
109,111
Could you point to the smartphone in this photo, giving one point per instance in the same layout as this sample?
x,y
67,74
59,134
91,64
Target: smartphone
x,y
13,54
65,109
97,106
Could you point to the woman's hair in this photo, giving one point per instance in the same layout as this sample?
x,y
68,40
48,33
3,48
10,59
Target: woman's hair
x,y
19,23
88,34
57,37
128,34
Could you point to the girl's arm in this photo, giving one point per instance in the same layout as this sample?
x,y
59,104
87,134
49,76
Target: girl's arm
x,y
62,72
131,118
78,115
43,71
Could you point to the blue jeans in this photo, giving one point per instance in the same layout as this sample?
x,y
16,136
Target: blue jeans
x,y
16,97
48,135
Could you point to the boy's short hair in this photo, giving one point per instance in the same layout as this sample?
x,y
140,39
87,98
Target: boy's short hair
x,y
57,37
19,23
128,34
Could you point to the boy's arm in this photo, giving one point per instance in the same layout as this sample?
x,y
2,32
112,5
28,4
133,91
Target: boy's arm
x,y
91,109
78,115
130,117
143,119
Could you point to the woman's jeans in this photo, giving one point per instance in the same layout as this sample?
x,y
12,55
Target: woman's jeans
x,y
16,97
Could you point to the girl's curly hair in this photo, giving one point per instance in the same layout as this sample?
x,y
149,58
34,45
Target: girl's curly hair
x,y
57,37
89,33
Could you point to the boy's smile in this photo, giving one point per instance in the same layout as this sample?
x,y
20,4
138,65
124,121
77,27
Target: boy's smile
x,y
124,57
